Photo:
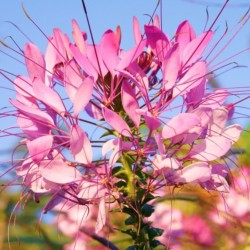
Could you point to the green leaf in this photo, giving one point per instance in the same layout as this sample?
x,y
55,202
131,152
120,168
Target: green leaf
x,y
148,198
121,184
130,220
128,210
115,170
147,210
155,232
155,243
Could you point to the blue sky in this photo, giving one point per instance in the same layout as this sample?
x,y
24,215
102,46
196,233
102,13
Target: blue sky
x,y
107,14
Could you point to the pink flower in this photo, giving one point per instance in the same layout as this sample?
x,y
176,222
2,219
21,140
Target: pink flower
x,y
98,127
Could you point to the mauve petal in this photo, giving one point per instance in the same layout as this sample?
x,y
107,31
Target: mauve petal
x,y
218,121
137,30
109,145
116,122
32,127
180,124
193,78
157,41
101,218
93,111
34,61
48,96
34,114
184,34
130,56
73,79
78,37
215,99
86,65
195,48
23,86
161,162
83,95
35,182
40,147
80,146
171,66
151,121
90,191
109,48
211,148
232,132
57,171
130,103
196,172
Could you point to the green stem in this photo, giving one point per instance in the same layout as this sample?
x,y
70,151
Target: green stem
x,y
130,176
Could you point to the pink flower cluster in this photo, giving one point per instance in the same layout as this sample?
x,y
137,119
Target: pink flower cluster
x,y
90,114
229,213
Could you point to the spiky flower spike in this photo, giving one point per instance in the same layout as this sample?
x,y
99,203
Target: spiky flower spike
x,y
79,97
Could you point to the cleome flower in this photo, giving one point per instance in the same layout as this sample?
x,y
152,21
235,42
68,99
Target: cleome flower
x,y
98,122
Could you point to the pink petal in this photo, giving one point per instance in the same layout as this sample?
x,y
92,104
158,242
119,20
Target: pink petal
x,y
193,78
130,56
34,181
23,85
158,41
109,47
194,133
136,30
152,121
40,147
196,172
91,191
109,145
184,34
180,124
156,22
211,148
80,145
195,48
162,162
171,66
215,99
32,127
232,132
78,37
86,65
118,35
36,114
218,121
73,79
35,62
221,183
51,59
130,103
83,95
116,122
48,96
195,95
96,59
93,111
138,77
160,144
116,146
57,171
101,217
60,45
